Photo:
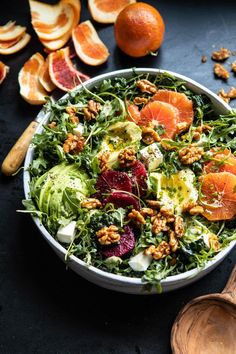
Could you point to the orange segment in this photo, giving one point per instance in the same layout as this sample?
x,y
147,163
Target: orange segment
x,y
44,78
222,161
88,46
4,69
218,196
106,11
179,101
12,33
30,88
160,113
133,113
20,44
62,72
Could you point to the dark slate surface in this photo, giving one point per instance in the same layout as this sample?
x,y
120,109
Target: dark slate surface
x,y
45,308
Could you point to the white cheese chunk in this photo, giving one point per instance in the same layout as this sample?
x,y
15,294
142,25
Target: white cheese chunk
x,y
140,262
79,129
151,156
66,234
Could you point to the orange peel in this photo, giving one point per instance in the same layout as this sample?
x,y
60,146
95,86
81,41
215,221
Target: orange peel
x,y
17,46
62,72
106,11
30,88
4,69
88,46
44,78
12,32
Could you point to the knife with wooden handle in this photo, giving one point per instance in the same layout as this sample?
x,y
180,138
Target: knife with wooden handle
x,y
16,155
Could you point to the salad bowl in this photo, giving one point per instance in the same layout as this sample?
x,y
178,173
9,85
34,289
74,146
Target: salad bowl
x,y
100,276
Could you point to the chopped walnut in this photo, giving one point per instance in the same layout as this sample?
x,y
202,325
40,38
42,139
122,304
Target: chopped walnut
x,y
190,154
103,161
221,71
168,214
73,144
127,157
223,95
168,144
146,86
148,212
137,217
198,209
108,235
221,55
214,243
173,241
188,206
150,136
71,110
161,251
91,203
182,127
233,66
159,223
179,226
52,125
92,110
154,204
204,59
232,93
140,100
204,128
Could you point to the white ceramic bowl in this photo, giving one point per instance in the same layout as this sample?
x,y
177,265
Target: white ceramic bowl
x,y
109,280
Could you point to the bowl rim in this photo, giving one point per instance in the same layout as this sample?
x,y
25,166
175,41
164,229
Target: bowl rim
x,y
51,240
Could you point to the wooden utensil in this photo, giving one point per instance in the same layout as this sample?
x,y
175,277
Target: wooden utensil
x,y
207,324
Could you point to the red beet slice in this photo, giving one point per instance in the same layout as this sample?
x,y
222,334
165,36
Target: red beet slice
x,y
122,200
139,177
125,245
113,180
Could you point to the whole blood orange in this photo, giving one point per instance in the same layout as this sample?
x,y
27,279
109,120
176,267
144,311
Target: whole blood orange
x,y
139,29
218,196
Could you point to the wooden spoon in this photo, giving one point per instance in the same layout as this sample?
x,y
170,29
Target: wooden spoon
x,y
207,324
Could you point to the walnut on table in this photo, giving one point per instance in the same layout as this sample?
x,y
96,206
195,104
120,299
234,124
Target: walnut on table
x,y
127,157
108,235
233,66
221,71
146,86
190,154
221,54
223,95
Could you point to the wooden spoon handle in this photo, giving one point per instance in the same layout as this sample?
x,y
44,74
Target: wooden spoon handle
x,y
230,288
16,155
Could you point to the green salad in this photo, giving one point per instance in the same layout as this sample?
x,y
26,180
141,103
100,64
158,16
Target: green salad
x,y
136,177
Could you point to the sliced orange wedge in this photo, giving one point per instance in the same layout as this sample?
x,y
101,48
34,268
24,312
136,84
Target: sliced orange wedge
x,y
4,69
218,196
88,46
30,88
62,72
179,101
222,161
12,32
106,11
51,22
44,78
12,49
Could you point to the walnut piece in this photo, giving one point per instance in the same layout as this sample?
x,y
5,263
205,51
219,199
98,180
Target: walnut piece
x,y
233,66
168,144
148,212
198,209
182,127
190,154
159,223
146,86
140,100
91,203
223,95
179,226
161,251
204,59
221,71
52,125
173,241
71,110
154,204
214,243
103,161
92,110
73,144
149,135
108,235
137,217
127,157
168,214
221,54
232,93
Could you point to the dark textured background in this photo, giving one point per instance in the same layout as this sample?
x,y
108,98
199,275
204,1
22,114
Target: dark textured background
x,y
45,308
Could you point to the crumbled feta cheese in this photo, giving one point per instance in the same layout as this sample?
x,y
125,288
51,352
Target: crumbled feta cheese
x,y
66,234
140,262
151,156
79,129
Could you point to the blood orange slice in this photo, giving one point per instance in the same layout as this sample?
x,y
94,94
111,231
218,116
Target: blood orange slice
x,y
223,161
62,72
44,78
88,46
4,69
133,113
218,196
179,101
20,44
106,11
162,114
51,21
30,88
